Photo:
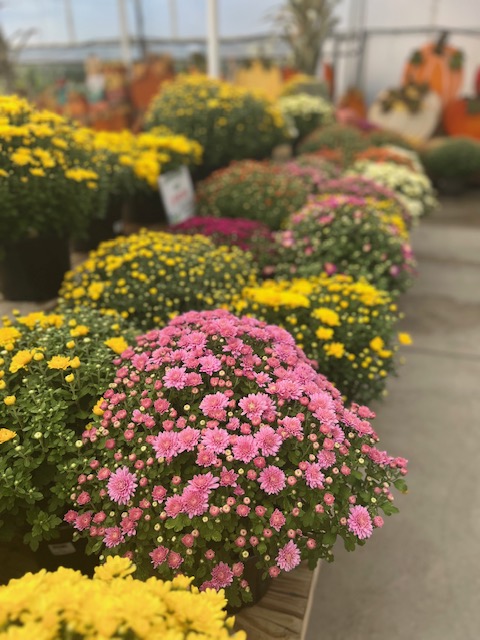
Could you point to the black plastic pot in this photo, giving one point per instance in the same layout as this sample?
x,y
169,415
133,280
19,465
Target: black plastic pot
x,y
63,551
258,585
147,209
101,229
32,269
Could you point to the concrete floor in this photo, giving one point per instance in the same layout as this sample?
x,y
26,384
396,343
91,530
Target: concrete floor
x,y
419,578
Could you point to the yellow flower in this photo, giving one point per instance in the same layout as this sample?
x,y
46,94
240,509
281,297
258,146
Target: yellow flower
x,y
10,400
335,349
75,362
59,362
79,331
70,344
327,316
405,338
8,335
114,567
6,434
97,410
377,344
70,377
323,333
20,360
117,344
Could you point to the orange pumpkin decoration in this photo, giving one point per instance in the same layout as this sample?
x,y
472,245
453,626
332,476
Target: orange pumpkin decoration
x,y
462,117
354,101
438,65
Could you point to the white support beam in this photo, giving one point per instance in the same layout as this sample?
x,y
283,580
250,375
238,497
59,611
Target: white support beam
x,y
72,38
124,35
213,56
173,19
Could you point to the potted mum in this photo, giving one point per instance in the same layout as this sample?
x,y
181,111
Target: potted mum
x,y
220,447
52,370
50,187
107,606
151,276
229,122
260,191
346,326
350,235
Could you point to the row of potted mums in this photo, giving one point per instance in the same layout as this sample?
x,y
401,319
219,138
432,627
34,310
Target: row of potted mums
x,y
196,403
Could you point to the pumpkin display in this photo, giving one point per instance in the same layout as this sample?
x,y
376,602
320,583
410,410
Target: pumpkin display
x,y
438,65
461,117
353,100
412,111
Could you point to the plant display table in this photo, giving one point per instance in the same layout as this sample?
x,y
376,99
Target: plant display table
x,y
284,612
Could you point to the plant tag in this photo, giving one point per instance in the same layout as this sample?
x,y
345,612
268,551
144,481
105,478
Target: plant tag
x,y
178,195
62,549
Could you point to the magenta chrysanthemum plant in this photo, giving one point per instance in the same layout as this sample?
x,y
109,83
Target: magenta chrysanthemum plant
x,y
219,446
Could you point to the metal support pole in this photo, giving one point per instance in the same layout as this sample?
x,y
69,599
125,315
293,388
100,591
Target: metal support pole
x,y
213,61
173,19
139,18
124,36
70,21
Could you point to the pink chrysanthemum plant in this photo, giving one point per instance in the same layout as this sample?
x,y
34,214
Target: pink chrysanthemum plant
x,y
220,446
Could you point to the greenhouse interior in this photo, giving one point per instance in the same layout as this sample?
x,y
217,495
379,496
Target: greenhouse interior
x,y
239,315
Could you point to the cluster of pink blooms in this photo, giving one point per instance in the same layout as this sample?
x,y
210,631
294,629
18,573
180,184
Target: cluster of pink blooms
x,y
221,445
363,188
243,233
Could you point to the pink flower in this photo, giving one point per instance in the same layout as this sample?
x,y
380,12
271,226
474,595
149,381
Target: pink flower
x,y
113,537
288,557
159,493
158,556
205,458
268,440
277,520
70,516
292,426
121,485
314,478
228,478
359,522
175,378
210,364
99,517
173,506
188,540
272,480
166,444
188,439
195,502
255,405
205,481
222,576
243,510
216,439
213,405
174,560
245,448
83,498
83,521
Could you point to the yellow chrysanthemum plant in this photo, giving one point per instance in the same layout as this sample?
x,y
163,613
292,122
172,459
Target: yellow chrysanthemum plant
x,y
150,277
53,368
111,605
134,162
231,123
347,326
50,184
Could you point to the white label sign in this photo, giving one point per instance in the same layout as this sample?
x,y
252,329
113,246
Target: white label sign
x,y
178,195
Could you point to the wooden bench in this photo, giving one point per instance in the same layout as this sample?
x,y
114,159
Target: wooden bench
x,y
284,612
